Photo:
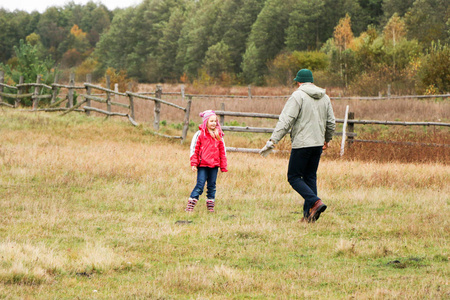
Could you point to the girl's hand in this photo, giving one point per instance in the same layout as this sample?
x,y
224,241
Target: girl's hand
x,y
194,168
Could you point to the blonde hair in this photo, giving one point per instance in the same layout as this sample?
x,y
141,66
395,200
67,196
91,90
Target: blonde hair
x,y
215,133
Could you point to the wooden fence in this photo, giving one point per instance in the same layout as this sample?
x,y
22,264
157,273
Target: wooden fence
x,y
348,128
42,91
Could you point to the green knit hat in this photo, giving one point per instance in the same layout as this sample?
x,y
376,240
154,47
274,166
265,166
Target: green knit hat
x,y
304,75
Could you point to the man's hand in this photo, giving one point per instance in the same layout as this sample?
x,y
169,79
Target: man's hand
x,y
267,149
325,146
194,168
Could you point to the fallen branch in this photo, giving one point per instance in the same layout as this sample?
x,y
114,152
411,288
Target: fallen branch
x,y
6,104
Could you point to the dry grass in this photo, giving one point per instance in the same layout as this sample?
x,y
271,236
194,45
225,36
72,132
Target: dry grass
x,y
90,210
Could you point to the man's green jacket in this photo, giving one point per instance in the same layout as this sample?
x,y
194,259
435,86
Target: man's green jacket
x,y
309,116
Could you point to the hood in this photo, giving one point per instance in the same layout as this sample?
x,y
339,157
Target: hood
x,y
312,90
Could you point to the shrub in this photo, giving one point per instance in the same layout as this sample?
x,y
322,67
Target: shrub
x,y
435,69
87,67
119,77
283,68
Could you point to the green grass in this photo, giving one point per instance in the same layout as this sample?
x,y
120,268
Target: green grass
x,y
94,209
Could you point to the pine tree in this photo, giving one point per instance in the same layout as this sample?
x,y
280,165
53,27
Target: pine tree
x,y
267,38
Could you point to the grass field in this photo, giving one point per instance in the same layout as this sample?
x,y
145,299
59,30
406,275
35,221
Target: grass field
x,y
94,209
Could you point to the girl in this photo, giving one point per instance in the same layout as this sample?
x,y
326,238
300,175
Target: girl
x,y
207,156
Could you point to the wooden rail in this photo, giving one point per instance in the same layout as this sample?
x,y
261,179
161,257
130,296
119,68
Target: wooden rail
x,y
7,86
55,85
104,89
243,114
374,122
155,99
34,85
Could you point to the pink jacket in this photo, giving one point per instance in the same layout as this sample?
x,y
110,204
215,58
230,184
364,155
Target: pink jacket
x,y
208,152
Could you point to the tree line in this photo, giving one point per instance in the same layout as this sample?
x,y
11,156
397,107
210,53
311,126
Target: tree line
x,y
359,45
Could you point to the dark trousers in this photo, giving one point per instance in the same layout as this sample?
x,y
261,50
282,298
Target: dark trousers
x,y
209,175
302,174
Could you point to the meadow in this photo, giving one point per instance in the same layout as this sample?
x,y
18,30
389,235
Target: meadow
x,y
93,208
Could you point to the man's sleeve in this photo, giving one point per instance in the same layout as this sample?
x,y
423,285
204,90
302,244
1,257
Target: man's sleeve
x,y
287,118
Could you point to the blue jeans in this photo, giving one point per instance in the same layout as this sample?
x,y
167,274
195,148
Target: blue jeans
x,y
302,174
209,175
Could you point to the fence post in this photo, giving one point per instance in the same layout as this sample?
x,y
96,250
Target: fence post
x,y
130,86
222,117
116,89
158,95
389,91
19,92
88,92
351,128
2,80
182,93
36,93
71,91
249,92
108,94
54,90
186,119
344,133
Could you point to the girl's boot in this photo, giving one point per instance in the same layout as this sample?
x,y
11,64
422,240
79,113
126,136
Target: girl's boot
x,y
210,205
191,204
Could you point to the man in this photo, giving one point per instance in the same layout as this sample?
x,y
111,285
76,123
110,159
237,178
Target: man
x,y
309,116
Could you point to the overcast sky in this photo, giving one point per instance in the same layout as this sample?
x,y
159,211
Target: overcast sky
x,y
42,5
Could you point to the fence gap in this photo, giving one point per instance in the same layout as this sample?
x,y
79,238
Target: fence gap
x,y
19,92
